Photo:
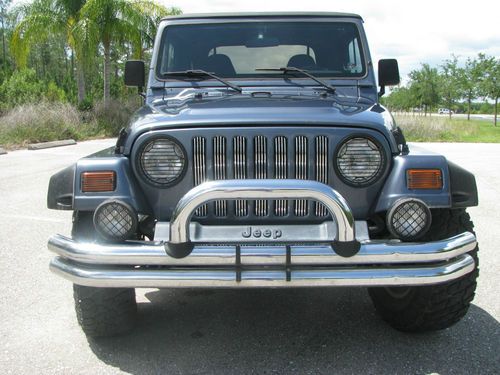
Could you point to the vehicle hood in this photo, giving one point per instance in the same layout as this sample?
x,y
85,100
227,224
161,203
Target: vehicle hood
x,y
244,110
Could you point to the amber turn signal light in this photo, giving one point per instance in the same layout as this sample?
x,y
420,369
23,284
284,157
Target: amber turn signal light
x,y
424,179
101,181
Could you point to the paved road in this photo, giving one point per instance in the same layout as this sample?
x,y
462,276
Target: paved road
x,y
201,332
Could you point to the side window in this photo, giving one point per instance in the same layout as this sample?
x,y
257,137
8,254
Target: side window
x,y
354,63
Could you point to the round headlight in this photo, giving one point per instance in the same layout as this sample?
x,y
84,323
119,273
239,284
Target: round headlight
x,y
359,161
162,161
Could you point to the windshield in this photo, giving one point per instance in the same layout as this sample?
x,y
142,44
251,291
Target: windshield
x,y
236,50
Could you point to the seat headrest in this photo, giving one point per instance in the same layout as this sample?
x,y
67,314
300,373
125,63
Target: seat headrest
x,y
302,62
221,65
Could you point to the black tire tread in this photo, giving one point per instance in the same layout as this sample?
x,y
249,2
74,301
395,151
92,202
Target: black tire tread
x,y
433,307
105,311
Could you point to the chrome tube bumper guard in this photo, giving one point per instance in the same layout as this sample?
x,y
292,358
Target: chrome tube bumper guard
x,y
342,262
180,246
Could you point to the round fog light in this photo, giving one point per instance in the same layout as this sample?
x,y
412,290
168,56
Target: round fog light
x,y
409,219
115,220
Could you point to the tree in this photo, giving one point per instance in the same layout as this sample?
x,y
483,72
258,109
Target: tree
x,y
401,99
489,80
108,22
468,77
424,86
40,20
450,82
4,4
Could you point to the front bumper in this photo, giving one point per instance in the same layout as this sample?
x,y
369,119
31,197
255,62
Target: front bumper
x,y
343,261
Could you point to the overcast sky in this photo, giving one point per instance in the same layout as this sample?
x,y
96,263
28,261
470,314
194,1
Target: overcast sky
x,y
411,31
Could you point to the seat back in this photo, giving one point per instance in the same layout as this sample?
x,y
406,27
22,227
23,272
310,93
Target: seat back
x,y
302,62
220,65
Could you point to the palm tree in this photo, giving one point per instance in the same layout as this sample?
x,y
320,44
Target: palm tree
x,y
4,4
42,18
106,22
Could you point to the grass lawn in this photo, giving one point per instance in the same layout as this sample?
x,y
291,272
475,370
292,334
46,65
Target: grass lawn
x,y
443,129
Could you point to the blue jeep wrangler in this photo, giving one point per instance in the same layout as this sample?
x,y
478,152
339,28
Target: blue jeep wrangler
x,y
262,158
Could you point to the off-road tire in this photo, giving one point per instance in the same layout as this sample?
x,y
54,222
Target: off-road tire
x,y
433,307
101,312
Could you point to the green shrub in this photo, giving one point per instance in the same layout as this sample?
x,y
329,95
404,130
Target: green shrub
x,y
23,87
86,104
20,88
54,94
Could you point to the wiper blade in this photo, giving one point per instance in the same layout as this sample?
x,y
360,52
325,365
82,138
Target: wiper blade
x,y
290,69
202,73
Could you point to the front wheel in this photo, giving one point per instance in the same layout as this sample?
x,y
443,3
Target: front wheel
x,y
433,307
101,312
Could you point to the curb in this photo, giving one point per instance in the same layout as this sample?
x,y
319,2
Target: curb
x,y
41,146
2,151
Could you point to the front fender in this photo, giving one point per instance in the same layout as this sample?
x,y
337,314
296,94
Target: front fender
x,y
395,187
459,185
61,187
65,186
463,187
127,189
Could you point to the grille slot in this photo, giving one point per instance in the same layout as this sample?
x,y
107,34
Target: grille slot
x,y
260,162
220,171
321,145
260,157
199,169
240,170
301,171
280,171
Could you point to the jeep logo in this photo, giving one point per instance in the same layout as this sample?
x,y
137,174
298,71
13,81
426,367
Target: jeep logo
x,y
258,233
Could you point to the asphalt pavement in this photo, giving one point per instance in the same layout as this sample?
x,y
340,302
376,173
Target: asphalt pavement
x,y
304,331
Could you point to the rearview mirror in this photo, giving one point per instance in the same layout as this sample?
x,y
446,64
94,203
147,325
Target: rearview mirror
x,y
388,74
135,73
262,41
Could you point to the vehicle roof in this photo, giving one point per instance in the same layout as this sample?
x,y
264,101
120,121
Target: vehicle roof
x,y
264,14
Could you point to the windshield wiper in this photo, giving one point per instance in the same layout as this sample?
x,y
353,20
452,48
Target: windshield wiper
x,y
202,73
290,69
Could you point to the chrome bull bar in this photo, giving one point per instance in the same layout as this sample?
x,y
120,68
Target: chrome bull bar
x,y
181,261
180,246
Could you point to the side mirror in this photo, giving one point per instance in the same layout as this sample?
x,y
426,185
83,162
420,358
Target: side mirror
x,y
388,74
135,73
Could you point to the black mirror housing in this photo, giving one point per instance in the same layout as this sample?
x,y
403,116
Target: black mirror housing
x,y
135,73
388,72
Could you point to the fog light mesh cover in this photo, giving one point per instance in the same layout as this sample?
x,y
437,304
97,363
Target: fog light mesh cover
x,y
409,219
115,220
